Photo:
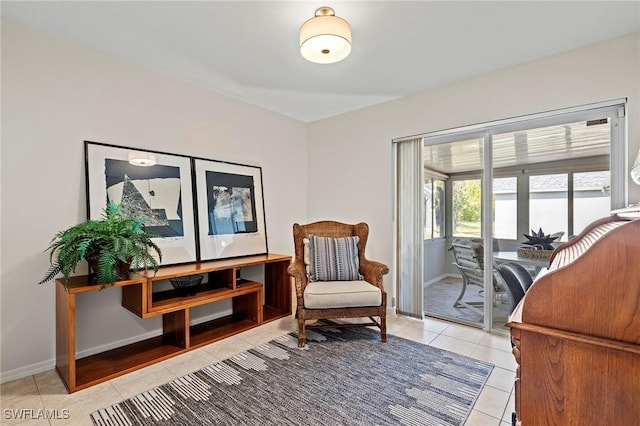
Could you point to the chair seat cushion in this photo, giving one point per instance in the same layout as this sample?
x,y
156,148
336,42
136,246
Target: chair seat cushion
x,y
341,294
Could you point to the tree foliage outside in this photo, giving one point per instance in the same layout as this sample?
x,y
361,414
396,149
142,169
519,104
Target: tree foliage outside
x,y
467,200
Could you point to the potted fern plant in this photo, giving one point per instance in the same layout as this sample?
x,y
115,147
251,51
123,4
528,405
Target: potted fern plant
x,y
111,245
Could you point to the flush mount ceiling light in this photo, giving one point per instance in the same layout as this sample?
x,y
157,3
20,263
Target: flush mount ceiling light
x,y
143,159
325,38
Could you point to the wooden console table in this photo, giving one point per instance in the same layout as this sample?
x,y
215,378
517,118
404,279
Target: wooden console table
x,y
254,303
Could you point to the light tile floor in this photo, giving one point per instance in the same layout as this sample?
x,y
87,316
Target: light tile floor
x,y
46,392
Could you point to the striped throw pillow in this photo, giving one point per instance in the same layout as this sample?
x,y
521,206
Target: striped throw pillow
x,y
334,259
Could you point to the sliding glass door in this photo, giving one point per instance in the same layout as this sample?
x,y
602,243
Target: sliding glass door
x,y
454,284
488,185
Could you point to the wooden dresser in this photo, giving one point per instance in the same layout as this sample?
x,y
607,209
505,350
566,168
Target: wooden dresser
x,y
577,332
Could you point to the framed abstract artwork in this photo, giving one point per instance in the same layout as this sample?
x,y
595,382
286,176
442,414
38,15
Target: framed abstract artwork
x,y
231,220
154,185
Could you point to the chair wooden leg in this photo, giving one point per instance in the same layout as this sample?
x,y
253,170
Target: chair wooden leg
x,y
301,333
383,328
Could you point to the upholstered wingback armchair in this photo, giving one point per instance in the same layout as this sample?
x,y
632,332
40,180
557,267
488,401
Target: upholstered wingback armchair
x,y
334,279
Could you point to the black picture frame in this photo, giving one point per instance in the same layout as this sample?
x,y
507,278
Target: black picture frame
x,y
161,192
230,209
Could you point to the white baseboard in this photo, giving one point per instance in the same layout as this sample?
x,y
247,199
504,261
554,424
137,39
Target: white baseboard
x,y
41,367
118,343
439,278
27,370
211,317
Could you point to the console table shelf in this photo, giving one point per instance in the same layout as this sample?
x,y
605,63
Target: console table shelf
x,y
167,301
205,333
107,365
253,303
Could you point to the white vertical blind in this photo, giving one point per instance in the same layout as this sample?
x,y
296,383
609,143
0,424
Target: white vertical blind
x,y
409,228
487,229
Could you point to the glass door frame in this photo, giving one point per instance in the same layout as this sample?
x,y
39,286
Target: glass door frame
x,y
615,110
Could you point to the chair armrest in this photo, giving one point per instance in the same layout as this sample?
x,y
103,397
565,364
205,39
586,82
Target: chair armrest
x,y
299,273
373,271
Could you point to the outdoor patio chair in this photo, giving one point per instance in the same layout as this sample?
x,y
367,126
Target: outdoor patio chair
x,y
469,259
518,281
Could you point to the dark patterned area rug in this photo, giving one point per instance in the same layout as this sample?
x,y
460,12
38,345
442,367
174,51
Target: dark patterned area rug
x,y
341,377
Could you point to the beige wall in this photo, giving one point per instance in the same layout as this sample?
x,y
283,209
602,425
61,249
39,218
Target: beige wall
x,y
55,95
350,156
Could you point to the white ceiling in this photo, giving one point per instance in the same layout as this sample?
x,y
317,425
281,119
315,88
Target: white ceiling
x,y
249,50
